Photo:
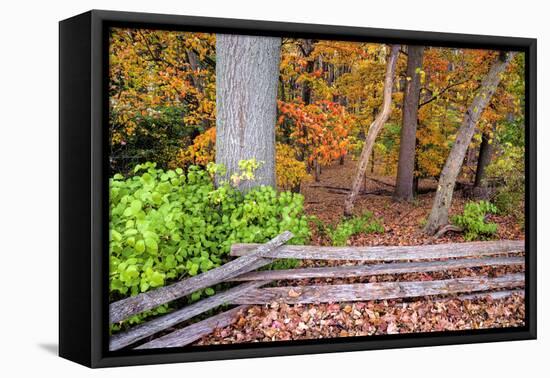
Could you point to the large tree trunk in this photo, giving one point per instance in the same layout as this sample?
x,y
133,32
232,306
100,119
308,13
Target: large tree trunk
x,y
374,130
247,72
405,168
485,155
439,215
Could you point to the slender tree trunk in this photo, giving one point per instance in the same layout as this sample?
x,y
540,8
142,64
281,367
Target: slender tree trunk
x,y
306,46
198,83
416,178
485,155
317,168
416,183
194,63
471,157
374,130
247,72
282,87
439,215
342,159
405,167
307,49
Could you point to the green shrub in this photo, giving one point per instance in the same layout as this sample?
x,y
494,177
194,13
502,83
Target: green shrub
x,y
168,225
354,226
472,220
321,228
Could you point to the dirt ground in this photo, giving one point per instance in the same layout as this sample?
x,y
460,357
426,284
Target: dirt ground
x,y
402,221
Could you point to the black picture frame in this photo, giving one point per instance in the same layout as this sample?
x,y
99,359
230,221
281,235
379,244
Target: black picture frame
x,y
83,180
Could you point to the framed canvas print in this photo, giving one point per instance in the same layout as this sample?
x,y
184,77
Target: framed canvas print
x,y
234,188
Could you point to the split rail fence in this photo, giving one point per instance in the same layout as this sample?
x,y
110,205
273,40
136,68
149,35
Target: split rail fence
x,y
250,257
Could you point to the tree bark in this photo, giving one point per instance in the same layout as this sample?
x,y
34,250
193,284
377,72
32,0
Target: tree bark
x,y
194,63
439,215
405,169
374,130
317,168
485,155
307,48
247,73
342,159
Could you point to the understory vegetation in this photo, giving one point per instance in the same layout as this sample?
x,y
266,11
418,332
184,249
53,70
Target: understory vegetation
x,y
340,233
168,225
355,144
474,220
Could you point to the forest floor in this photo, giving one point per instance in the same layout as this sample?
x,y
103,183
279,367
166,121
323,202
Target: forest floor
x,y
402,226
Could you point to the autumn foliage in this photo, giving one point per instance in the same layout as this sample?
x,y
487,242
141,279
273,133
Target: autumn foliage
x,y
319,131
162,109
201,152
289,170
162,93
162,102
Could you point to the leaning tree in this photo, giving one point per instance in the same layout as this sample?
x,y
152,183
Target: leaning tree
x,y
247,74
439,215
374,130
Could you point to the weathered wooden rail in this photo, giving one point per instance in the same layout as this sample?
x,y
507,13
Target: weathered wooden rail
x,y
375,291
378,269
383,253
389,260
145,301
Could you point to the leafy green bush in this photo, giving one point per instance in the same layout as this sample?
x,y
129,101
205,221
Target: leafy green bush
x,y
167,225
354,226
472,221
